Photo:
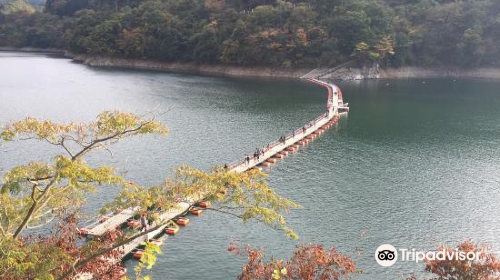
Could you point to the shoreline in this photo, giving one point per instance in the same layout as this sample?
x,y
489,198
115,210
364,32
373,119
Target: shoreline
x,y
185,67
36,50
429,73
275,72
408,72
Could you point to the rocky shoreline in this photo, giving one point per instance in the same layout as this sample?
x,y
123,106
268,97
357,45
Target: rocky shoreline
x,y
344,73
226,70
415,72
36,50
341,73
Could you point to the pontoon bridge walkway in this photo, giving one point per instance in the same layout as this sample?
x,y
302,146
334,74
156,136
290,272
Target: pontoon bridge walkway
x,y
268,155
335,106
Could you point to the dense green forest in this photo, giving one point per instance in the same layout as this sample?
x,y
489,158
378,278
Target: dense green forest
x,y
294,33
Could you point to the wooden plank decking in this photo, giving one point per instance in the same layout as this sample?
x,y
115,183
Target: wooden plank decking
x,y
112,222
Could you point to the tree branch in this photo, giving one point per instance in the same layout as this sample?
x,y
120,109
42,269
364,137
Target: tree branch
x,y
95,142
83,262
32,210
225,212
34,206
64,146
42,224
33,192
33,180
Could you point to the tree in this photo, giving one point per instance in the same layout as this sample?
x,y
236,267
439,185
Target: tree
x,y
34,194
265,16
301,17
486,268
472,47
79,36
104,38
377,53
46,257
206,44
349,29
308,262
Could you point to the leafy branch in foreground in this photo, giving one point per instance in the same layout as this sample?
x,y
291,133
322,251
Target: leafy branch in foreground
x,y
243,195
36,193
32,192
45,257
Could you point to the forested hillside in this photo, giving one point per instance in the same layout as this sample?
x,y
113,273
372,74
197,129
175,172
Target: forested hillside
x,y
296,33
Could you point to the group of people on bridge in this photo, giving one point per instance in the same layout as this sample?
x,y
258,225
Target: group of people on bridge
x,y
282,140
256,155
259,152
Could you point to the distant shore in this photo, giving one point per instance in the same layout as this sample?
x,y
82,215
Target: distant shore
x,y
226,70
34,50
269,72
415,72
245,71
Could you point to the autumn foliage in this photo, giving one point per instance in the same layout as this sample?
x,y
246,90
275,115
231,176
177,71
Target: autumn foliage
x,y
48,256
37,195
486,268
309,262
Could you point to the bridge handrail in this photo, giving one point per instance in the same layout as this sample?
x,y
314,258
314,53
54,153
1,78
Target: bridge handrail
x,y
277,143
295,132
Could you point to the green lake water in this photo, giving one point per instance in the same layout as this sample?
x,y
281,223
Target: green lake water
x,y
415,164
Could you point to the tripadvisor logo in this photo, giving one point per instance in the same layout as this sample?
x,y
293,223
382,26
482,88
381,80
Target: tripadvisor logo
x,y
387,255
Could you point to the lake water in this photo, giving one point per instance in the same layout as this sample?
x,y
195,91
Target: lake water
x,y
414,165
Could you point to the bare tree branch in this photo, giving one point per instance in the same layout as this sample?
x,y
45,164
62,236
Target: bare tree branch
x,y
101,140
225,212
33,207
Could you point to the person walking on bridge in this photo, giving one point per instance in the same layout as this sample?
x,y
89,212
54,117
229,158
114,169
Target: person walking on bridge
x,y
144,222
144,225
